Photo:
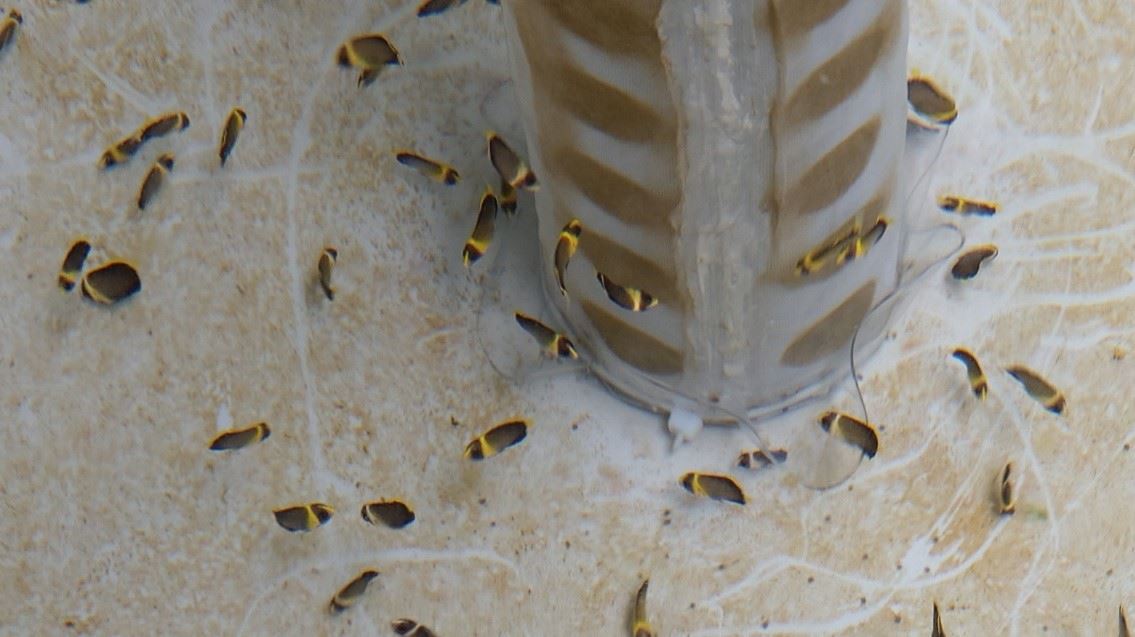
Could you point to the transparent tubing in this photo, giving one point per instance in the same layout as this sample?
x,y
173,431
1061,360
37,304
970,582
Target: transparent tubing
x,y
732,158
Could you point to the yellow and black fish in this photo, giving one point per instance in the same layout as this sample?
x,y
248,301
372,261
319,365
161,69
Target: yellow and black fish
x,y
240,438
936,629
713,486
508,164
497,439
433,7
369,53
111,282
565,248
478,242
304,517
154,179
868,239
162,125
640,625
834,250
852,431
757,458
966,206
974,373
968,265
429,167
120,151
234,123
1006,496
553,344
628,298
1038,388
410,628
509,199
327,260
9,24
73,264
930,102
392,513
350,594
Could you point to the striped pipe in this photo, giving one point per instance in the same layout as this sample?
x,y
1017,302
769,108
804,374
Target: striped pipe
x,y
707,147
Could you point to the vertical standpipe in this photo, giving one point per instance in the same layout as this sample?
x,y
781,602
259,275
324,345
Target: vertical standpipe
x,y
739,161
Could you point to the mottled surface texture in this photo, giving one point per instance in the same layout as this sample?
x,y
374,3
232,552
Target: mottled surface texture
x,y
118,521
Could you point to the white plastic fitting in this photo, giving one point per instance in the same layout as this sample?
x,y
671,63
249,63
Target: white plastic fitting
x,y
732,158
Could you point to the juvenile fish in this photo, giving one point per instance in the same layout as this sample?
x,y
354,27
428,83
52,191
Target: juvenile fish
x,y
1038,388
304,517
163,125
482,235
326,264
968,265
234,439
640,626
431,168
497,439
965,206
234,123
410,628
628,298
349,595
508,164
852,431
552,343
73,264
974,373
154,179
392,513
566,245
713,486
111,282
930,102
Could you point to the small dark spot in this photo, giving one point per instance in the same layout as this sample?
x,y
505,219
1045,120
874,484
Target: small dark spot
x,y
691,605
721,567
811,579
1109,572
567,544
575,426
827,518
851,487
925,569
70,623
493,524
764,625
898,567
453,422
864,557
898,620
482,502
862,601
1044,629
1127,446
934,539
